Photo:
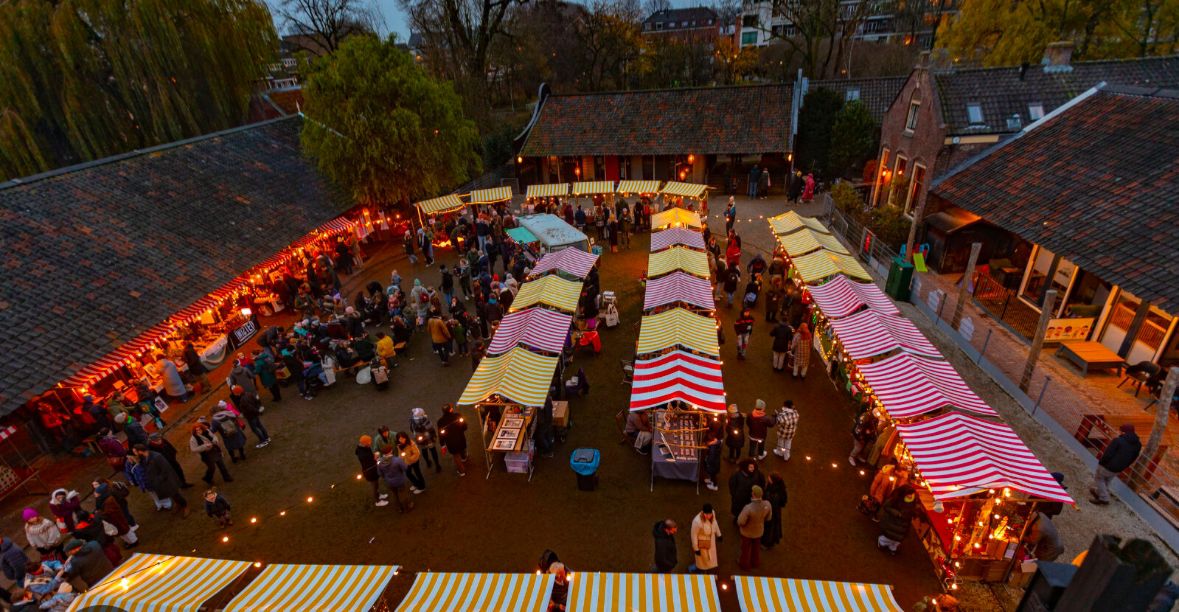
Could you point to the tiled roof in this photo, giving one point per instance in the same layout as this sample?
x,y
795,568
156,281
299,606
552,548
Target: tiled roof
x,y
1002,92
700,14
96,254
718,120
1097,184
876,93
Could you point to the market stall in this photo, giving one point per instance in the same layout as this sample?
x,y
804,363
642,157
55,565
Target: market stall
x,y
323,588
491,197
840,297
823,264
791,221
678,258
760,593
677,236
547,194
678,376
554,233
435,207
675,217
678,328
593,188
646,189
597,591
908,386
17,475
529,244
552,291
537,328
675,193
679,288
869,334
573,262
807,240
162,582
463,592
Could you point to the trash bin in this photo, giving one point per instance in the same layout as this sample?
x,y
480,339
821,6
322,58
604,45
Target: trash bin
x,y
900,278
585,462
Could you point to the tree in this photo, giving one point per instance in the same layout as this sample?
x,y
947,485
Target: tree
x,y
854,135
733,63
815,121
382,128
461,33
610,38
83,79
824,30
322,25
650,7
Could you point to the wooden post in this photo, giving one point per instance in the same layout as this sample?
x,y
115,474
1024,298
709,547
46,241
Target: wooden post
x,y
1038,342
910,243
964,289
1160,422
1135,327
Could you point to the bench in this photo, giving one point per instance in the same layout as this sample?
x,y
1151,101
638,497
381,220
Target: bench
x,y
1085,355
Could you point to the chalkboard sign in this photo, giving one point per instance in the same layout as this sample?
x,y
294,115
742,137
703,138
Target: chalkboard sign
x,y
242,335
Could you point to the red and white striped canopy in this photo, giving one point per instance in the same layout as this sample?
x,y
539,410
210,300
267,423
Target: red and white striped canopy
x,y
678,287
841,296
960,455
539,328
870,333
676,235
678,375
911,386
570,261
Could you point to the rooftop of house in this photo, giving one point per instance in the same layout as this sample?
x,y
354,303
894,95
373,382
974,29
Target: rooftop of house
x,y
876,93
682,18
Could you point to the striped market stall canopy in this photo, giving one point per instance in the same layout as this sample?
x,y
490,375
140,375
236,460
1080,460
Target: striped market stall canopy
x,y
822,264
518,375
910,386
674,236
678,376
444,204
604,592
639,187
678,258
538,328
548,290
758,593
687,190
959,455
161,583
678,287
791,221
678,327
675,217
433,591
492,195
840,297
575,262
582,188
807,240
870,333
551,190
323,588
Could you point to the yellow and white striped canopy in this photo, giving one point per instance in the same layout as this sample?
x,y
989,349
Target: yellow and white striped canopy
x,y
806,240
518,375
606,592
161,583
638,186
791,221
581,188
823,263
433,591
323,588
551,290
550,190
444,204
678,327
678,258
757,594
675,217
687,190
492,195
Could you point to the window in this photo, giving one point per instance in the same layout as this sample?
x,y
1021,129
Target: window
x,y
1035,111
974,113
1014,122
683,24
749,21
748,38
898,179
882,176
911,120
851,94
658,25
917,188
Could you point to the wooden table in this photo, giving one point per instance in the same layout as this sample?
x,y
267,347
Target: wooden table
x,y
1087,355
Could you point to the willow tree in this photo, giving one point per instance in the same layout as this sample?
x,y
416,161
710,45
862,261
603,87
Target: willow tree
x,y
83,79
382,128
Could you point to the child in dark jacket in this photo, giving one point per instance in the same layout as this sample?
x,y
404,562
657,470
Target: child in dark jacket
x,y
217,507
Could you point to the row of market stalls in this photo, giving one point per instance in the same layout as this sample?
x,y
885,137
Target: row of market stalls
x,y
527,353
677,370
978,484
587,189
189,584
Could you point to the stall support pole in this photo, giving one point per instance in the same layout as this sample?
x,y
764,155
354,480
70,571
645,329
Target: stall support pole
x,y
1022,534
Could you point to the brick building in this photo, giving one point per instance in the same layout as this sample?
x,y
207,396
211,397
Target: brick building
x,y
697,24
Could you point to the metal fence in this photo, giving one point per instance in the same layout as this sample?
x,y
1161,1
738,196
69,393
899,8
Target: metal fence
x,y
864,244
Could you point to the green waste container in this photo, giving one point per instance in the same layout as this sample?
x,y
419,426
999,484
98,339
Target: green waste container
x,y
900,278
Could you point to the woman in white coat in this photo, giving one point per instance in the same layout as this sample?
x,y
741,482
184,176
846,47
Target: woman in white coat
x,y
705,533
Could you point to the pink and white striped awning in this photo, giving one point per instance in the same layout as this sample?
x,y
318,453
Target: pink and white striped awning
x,y
960,455
911,386
539,328
841,296
678,287
676,235
678,375
570,261
871,333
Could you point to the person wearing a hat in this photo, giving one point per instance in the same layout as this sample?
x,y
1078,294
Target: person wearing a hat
x,y
392,469
368,469
1120,454
205,443
86,562
426,437
136,434
735,433
751,522
158,443
243,377
41,532
896,518
704,535
666,556
251,411
759,429
741,485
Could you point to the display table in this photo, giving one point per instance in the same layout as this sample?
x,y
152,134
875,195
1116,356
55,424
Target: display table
x,y
1087,355
675,449
214,353
513,437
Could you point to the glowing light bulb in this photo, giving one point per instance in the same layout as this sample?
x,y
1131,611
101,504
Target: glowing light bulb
x,y
310,499
253,519
224,538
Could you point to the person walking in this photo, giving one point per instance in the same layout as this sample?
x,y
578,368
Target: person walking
x,y
248,405
775,494
1120,454
863,434
751,522
754,176
368,469
743,328
412,456
392,469
161,478
735,433
712,460
704,535
666,557
801,346
204,442
759,429
447,283
786,422
896,518
741,485
268,373
453,431
732,277
158,443
110,501
440,336
227,424
782,335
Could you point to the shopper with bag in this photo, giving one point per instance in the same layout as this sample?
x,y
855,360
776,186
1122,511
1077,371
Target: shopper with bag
x,y
705,534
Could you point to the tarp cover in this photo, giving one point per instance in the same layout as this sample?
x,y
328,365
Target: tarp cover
x,y
536,327
791,221
434,591
551,190
323,588
911,386
549,290
574,262
678,327
492,195
677,235
687,190
870,333
678,258
678,375
841,296
675,217
444,204
518,375
807,240
678,287
161,583
821,264
603,592
760,593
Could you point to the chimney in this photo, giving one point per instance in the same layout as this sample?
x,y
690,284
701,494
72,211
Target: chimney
x,y
1057,57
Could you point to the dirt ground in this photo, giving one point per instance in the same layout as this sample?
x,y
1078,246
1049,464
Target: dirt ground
x,y
310,507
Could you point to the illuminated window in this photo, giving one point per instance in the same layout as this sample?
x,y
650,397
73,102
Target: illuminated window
x,y
852,94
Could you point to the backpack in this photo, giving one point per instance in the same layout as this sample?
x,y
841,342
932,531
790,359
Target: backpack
x,y
119,489
229,427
